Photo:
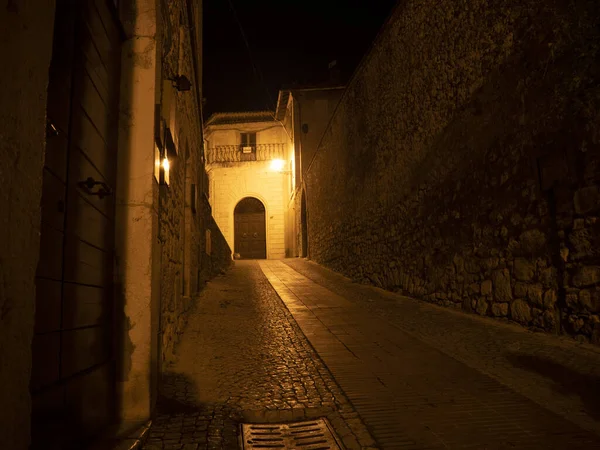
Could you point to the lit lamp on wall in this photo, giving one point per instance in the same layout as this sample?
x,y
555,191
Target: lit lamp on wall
x,y
277,165
161,166
165,166
157,162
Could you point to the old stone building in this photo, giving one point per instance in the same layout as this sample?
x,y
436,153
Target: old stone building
x,y
251,170
305,113
101,126
461,165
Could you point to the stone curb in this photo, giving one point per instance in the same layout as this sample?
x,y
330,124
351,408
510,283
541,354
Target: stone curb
x,y
128,441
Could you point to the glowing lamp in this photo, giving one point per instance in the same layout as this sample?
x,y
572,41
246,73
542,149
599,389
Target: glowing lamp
x,y
165,166
277,165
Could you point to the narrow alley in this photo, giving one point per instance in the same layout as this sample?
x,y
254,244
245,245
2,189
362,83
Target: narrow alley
x,y
343,225
274,341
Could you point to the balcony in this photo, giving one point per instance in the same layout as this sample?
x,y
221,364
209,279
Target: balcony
x,y
234,153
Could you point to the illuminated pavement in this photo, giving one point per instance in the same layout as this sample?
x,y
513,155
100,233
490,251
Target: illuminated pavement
x,y
402,372
242,358
421,376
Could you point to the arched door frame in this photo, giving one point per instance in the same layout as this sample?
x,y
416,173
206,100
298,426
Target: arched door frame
x,y
232,220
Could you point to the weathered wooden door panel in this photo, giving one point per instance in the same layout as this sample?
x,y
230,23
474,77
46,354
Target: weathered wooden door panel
x,y
92,144
51,249
48,305
85,306
60,76
84,348
73,369
85,264
88,401
46,358
250,230
88,224
53,201
49,404
94,64
55,157
80,169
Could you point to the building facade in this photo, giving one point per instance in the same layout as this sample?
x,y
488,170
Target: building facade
x,y
107,232
305,113
251,171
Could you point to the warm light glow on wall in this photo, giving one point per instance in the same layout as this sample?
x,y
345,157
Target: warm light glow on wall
x,y
157,163
277,165
165,166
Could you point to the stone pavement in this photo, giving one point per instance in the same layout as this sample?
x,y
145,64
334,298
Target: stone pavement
x,y
242,358
421,376
556,372
380,366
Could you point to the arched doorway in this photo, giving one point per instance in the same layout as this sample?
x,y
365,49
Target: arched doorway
x,y
250,236
304,224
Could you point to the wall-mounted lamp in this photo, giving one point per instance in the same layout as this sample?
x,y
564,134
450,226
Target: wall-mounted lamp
x,y
277,165
165,166
157,163
181,83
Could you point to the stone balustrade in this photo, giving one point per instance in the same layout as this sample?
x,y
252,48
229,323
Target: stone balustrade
x,y
234,153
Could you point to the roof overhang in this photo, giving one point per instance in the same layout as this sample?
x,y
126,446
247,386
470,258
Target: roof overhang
x,y
284,97
227,118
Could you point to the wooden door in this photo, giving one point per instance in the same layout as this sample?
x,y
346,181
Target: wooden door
x,y
73,375
250,231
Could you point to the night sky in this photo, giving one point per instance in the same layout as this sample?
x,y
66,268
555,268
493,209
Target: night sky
x,y
291,41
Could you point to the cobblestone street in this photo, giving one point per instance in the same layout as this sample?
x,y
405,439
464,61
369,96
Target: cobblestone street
x,y
276,341
243,358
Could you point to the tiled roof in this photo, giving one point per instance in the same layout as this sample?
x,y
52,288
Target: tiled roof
x,y
240,117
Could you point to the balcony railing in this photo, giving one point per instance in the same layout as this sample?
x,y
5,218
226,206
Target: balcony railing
x,y
234,153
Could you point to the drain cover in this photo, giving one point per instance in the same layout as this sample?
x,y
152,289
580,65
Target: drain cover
x,y
310,435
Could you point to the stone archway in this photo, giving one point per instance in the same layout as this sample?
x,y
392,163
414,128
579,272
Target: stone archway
x,y
250,231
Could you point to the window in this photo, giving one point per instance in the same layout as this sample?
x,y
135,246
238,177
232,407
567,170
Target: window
x,y
248,143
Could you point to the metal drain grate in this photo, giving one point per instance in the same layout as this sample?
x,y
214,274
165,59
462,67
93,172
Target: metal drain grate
x,y
310,435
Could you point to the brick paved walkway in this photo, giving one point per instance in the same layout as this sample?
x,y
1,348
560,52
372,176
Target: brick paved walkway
x,y
555,372
416,389
242,357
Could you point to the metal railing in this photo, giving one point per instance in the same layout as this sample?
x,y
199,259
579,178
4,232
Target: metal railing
x,y
234,153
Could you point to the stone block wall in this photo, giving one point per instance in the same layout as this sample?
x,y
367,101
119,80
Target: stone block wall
x,y
219,258
292,223
462,165
26,31
182,225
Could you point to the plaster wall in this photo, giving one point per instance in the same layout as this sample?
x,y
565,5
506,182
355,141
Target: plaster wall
x,y
231,182
137,263
26,31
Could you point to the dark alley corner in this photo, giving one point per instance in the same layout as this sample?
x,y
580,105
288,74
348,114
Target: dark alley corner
x,y
317,225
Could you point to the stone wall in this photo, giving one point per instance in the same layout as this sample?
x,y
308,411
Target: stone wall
x,y
462,164
315,108
25,49
182,224
219,258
